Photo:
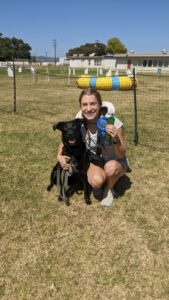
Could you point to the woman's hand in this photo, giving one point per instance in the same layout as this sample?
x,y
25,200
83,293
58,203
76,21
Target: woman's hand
x,y
113,132
64,161
117,136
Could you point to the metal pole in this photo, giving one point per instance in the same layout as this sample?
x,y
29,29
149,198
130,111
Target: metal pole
x,y
54,44
69,74
135,110
14,86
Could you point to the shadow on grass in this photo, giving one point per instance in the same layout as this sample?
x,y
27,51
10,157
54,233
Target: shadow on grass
x,y
123,184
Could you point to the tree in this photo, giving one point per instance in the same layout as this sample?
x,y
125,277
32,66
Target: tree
x,y
98,48
13,48
114,46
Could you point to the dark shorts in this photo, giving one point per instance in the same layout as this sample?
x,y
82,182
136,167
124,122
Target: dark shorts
x,y
123,161
101,161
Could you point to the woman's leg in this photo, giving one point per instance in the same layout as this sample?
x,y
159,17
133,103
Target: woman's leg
x,y
96,176
113,170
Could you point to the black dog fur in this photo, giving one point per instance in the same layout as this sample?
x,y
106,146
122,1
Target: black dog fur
x,y
74,147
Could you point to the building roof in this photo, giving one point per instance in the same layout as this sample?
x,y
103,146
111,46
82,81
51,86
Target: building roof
x,y
141,55
125,55
84,57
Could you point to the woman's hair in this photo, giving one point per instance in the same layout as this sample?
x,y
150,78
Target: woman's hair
x,y
91,91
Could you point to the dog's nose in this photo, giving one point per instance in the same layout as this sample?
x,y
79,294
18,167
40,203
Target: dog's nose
x,y
71,133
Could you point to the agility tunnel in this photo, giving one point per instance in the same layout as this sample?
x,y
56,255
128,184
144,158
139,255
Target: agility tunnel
x,y
115,83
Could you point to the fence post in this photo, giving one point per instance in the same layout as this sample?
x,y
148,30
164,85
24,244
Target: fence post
x,y
14,86
69,75
135,109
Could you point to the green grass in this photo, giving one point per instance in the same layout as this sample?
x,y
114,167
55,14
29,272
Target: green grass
x,y
51,251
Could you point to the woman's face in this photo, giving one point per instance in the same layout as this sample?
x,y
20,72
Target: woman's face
x,y
90,107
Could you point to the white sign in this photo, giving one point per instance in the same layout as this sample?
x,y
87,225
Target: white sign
x,y
100,71
10,72
129,73
86,71
117,72
32,69
109,73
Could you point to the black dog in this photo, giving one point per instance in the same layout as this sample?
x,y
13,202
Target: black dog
x,y
74,180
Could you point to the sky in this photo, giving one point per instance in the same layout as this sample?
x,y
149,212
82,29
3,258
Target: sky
x,y
141,25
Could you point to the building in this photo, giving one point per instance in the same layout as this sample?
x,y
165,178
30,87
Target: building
x,y
123,62
143,62
92,61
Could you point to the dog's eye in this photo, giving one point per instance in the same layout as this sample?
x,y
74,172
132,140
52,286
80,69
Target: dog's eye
x,y
65,127
76,126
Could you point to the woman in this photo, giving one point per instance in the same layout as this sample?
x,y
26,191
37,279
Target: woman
x,y
107,159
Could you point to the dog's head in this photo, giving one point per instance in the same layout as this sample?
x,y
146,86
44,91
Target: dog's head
x,y
71,133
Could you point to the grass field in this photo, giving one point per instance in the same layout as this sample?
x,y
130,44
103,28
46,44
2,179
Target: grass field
x,y
51,251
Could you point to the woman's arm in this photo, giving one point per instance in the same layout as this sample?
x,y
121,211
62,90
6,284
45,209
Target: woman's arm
x,y
63,159
118,139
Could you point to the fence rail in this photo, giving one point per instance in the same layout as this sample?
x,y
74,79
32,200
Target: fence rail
x,y
50,97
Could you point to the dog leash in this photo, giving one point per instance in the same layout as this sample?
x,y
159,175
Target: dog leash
x,y
58,174
62,182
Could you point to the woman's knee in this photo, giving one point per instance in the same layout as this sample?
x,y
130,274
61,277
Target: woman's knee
x,y
96,181
96,177
113,168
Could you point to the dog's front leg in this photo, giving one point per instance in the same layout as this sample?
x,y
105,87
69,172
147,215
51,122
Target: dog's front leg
x,y
67,202
49,187
86,188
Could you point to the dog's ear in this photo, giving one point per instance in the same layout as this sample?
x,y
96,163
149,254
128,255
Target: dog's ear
x,y
79,121
58,126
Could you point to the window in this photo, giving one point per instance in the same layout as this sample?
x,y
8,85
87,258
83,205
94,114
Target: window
x,y
135,63
139,62
150,63
166,63
154,63
97,62
144,63
89,62
160,63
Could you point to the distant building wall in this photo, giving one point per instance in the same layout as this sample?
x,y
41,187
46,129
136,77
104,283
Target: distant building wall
x,y
92,62
124,62
142,62
17,63
108,63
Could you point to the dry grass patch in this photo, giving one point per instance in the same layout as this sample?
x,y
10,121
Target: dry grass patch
x,y
51,251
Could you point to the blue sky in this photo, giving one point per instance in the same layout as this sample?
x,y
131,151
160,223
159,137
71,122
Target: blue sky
x,y
141,25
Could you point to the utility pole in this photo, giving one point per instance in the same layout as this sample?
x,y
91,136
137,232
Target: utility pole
x,y
55,45
46,56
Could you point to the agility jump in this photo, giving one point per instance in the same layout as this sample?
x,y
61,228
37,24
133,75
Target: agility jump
x,y
115,83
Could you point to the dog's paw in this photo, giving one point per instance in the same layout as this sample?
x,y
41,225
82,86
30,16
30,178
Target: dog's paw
x,y
67,202
60,199
88,201
49,188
